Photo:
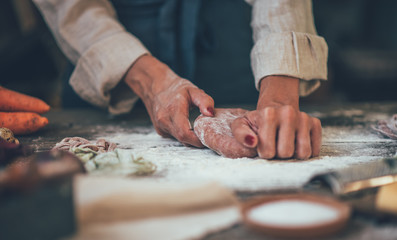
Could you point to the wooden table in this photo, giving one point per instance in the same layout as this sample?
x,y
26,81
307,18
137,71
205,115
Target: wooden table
x,y
343,119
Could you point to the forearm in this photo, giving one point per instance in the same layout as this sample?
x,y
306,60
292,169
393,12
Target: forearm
x,y
286,43
78,25
147,77
90,35
277,91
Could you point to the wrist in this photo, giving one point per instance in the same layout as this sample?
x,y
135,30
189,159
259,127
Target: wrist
x,y
276,91
142,75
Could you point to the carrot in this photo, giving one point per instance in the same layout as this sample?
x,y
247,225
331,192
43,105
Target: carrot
x,y
22,122
11,101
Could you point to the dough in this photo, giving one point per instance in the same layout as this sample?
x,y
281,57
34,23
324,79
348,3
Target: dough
x,y
216,134
387,128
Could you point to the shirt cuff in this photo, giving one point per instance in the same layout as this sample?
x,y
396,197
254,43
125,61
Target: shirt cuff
x,y
99,71
294,54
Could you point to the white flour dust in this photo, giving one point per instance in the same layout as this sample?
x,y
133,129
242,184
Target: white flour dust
x,y
356,134
292,213
177,163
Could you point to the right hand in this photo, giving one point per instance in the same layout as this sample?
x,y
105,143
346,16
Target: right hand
x,y
277,128
168,98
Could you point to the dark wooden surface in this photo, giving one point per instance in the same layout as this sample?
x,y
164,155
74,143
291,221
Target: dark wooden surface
x,y
349,118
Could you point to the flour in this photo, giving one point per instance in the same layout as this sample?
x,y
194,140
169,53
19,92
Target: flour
x,y
359,127
177,163
343,146
292,213
339,113
350,134
354,114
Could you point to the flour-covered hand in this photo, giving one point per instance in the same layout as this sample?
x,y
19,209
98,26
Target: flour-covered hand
x,y
278,129
168,98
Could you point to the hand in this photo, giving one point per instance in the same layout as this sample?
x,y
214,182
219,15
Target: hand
x,y
168,98
277,129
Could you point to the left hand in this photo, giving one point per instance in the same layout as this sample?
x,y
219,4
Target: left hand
x,y
277,128
168,98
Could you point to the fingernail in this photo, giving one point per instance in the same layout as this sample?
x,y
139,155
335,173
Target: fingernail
x,y
211,110
249,140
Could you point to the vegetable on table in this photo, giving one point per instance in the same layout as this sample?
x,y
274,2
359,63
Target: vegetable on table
x,y
22,122
11,101
8,136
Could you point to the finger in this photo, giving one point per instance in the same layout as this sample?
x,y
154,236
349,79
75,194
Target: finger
x,y
182,130
203,101
243,133
316,137
303,148
286,133
267,133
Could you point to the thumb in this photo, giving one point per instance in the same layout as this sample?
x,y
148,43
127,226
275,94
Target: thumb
x,y
202,101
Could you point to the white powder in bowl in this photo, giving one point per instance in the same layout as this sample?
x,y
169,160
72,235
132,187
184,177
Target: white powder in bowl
x,y
292,213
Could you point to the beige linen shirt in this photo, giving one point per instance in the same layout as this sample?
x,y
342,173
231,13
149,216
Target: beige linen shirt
x,y
88,32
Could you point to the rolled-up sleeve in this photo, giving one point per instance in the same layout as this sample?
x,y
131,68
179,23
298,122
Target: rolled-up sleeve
x,y
90,35
286,43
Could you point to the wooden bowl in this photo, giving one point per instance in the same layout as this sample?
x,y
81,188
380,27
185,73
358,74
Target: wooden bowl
x,y
323,228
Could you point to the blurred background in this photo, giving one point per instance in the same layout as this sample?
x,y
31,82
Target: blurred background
x,y
361,35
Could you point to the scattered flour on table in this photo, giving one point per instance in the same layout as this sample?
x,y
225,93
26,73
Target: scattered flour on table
x,y
177,163
354,114
338,113
356,134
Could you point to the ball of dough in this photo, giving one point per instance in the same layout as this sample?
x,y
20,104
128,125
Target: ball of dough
x,y
216,133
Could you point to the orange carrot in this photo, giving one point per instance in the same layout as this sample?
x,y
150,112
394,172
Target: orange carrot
x,y
11,101
22,122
